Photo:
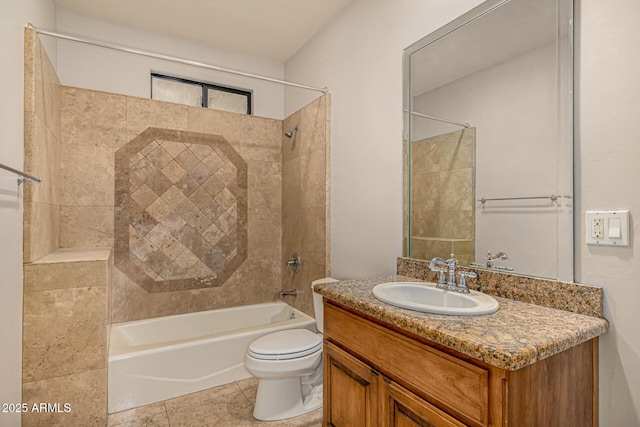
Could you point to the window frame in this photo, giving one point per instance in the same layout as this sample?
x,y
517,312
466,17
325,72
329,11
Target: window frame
x,y
205,89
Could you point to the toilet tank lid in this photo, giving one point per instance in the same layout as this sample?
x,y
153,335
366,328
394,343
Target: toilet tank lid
x,y
323,280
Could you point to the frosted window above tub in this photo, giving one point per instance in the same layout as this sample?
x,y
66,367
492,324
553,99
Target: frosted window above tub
x,y
200,94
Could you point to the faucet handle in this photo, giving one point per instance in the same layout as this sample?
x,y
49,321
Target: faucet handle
x,y
463,279
442,275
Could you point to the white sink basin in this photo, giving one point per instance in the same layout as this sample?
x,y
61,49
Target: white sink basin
x,y
427,298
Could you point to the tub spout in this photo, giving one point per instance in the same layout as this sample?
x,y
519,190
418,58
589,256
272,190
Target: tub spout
x,y
291,293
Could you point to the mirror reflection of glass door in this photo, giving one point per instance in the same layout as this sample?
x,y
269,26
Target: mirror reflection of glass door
x,y
488,115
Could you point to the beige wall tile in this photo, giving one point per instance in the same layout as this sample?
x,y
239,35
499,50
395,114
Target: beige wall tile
x,y
264,232
451,224
87,175
47,90
313,179
291,186
305,185
257,280
314,234
118,296
140,304
93,118
313,126
52,353
29,69
77,255
429,248
443,194
85,392
41,159
65,275
446,152
64,331
73,306
264,184
227,125
262,139
449,190
86,226
40,230
291,147
41,130
144,113
292,232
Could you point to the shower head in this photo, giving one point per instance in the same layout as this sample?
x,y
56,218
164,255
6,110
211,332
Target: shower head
x,y
289,134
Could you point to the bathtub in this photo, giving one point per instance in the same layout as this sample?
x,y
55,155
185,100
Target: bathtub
x,y
157,359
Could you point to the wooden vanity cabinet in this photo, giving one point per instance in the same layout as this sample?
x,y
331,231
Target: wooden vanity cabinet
x,y
376,376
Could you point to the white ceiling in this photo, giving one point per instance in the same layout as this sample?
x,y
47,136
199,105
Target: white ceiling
x,y
273,29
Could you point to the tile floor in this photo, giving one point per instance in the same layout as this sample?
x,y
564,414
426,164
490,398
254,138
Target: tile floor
x,y
230,405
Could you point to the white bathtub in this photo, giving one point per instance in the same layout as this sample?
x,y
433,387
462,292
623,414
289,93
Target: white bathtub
x,y
158,359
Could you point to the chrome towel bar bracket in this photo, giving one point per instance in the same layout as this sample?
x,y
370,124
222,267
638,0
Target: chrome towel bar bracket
x,y
22,177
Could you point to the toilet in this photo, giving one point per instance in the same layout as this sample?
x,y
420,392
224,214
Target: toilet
x,y
288,365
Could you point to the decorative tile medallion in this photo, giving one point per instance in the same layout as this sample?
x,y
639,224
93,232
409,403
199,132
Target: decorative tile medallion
x,y
180,210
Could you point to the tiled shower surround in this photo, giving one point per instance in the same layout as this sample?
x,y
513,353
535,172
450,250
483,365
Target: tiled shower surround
x,y
207,207
204,208
442,205
193,205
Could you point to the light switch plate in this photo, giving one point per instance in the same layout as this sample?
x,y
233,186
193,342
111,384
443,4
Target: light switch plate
x,y
600,231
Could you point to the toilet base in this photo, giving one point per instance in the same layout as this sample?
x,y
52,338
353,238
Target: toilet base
x,y
278,399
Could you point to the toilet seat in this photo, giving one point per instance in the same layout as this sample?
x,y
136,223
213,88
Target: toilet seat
x,y
285,345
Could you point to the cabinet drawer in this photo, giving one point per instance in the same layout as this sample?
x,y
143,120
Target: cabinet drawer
x,y
457,387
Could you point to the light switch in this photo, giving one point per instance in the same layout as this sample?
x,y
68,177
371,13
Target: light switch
x,y
614,228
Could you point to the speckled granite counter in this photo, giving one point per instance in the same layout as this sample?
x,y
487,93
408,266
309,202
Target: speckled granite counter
x,y
515,336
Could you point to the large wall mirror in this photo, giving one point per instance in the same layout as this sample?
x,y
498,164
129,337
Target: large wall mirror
x,y
488,107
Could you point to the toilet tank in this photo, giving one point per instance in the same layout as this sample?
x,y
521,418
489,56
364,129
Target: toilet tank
x,y
317,303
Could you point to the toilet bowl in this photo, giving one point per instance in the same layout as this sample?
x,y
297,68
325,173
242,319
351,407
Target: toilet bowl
x,y
288,365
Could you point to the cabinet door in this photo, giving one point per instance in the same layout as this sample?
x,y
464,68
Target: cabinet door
x,y
401,408
350,390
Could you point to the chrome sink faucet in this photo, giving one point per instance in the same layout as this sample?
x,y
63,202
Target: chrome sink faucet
x,y
490,258
450,266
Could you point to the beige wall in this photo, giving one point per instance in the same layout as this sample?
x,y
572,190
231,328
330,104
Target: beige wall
x,y
305,201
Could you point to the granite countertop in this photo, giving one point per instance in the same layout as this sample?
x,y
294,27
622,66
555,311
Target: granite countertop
x,y
515,336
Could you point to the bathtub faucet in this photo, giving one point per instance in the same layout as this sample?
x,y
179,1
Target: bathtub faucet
x,y
291,293
294,262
